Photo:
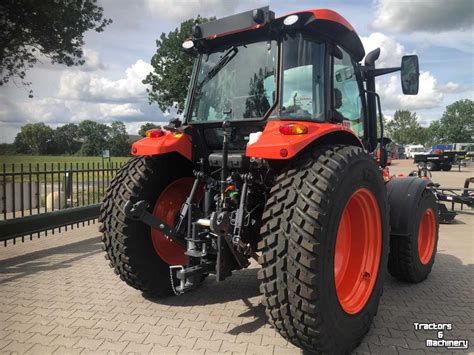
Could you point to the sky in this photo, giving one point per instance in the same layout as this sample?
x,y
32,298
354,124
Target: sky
x,y
108,87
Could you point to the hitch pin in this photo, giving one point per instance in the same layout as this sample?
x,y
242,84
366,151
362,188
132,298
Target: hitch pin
x,y
205,222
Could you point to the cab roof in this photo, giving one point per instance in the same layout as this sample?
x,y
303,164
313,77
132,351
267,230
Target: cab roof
x,y
323,23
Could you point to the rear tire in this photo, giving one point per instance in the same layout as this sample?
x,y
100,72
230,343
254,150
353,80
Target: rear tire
x,y
446,167
301,228
411,257
128,244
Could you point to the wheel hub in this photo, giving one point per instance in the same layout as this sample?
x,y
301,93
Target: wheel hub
x,y
358,251
426,236
167,208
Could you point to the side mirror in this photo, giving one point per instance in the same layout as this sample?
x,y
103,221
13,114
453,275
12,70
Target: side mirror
x,y
410,74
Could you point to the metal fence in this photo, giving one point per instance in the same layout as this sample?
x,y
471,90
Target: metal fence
x,y
38,198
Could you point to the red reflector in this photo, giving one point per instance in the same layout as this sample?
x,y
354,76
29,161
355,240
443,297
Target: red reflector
x,y
154,133
283,153
293,129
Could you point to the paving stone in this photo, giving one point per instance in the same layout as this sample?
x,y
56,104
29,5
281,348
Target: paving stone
x,y
240,348
65,341
137,348
88,344
17,347
165,350
115,346
200,334
162,340
182,342
86,332
41,349
213,345
109,334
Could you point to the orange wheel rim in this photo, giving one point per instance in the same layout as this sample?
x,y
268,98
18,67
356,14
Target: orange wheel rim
x,y
167,208
426,236
358,251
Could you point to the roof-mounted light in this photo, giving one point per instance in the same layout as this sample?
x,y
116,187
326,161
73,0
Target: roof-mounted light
x,y
188,44
290,20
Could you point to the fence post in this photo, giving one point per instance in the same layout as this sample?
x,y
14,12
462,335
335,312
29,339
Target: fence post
x,y
67,185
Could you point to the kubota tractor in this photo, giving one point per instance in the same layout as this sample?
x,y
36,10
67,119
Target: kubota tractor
x,y
275,158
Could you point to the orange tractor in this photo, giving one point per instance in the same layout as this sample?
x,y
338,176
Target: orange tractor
x,y
275,159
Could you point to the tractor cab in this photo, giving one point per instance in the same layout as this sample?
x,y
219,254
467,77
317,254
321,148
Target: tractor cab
x,y
299,74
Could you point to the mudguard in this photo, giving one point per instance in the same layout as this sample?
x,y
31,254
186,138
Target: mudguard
x,y
274,145
403,195
170,142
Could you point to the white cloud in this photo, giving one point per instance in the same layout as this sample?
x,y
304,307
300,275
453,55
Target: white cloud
x,y
451,88
424,15
84,95
392,97
93,61
79,85
391,51
92,58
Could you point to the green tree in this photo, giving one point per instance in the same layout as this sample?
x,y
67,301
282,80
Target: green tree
x,y
145,127
457,123
404,128
34,138
433,133
257,104
7,149
118,142
50,29
95,137
172,67
65,139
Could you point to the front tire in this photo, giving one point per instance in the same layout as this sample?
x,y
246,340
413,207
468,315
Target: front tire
x,y
412,256
323,211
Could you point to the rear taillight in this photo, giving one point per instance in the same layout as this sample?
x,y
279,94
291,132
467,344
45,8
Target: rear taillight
x,y
154,133
290,129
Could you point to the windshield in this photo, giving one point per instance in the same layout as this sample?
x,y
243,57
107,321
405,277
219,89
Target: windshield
x,y
235,84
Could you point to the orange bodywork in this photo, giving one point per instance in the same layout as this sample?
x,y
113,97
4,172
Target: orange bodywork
x,y
274,145
169,142
325,14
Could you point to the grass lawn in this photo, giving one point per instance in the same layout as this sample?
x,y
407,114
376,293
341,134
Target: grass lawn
x,y
58,164
52,159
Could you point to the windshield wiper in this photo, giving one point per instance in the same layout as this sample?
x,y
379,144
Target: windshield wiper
x,y
226,58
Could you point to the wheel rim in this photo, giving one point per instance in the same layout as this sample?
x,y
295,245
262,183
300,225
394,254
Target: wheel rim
x,y
426,236
358,251
167,208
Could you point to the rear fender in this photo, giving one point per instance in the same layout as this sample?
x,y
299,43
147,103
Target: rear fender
x,y
169,142
274,145
403,195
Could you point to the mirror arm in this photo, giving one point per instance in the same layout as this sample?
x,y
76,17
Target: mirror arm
x,y
372,73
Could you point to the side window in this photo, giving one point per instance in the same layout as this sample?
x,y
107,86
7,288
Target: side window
x,y
347,103
303,79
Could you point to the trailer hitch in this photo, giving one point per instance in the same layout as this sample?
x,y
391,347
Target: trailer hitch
x,y
139,212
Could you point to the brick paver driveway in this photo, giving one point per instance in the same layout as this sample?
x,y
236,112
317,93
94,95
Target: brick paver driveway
x,y
57,294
